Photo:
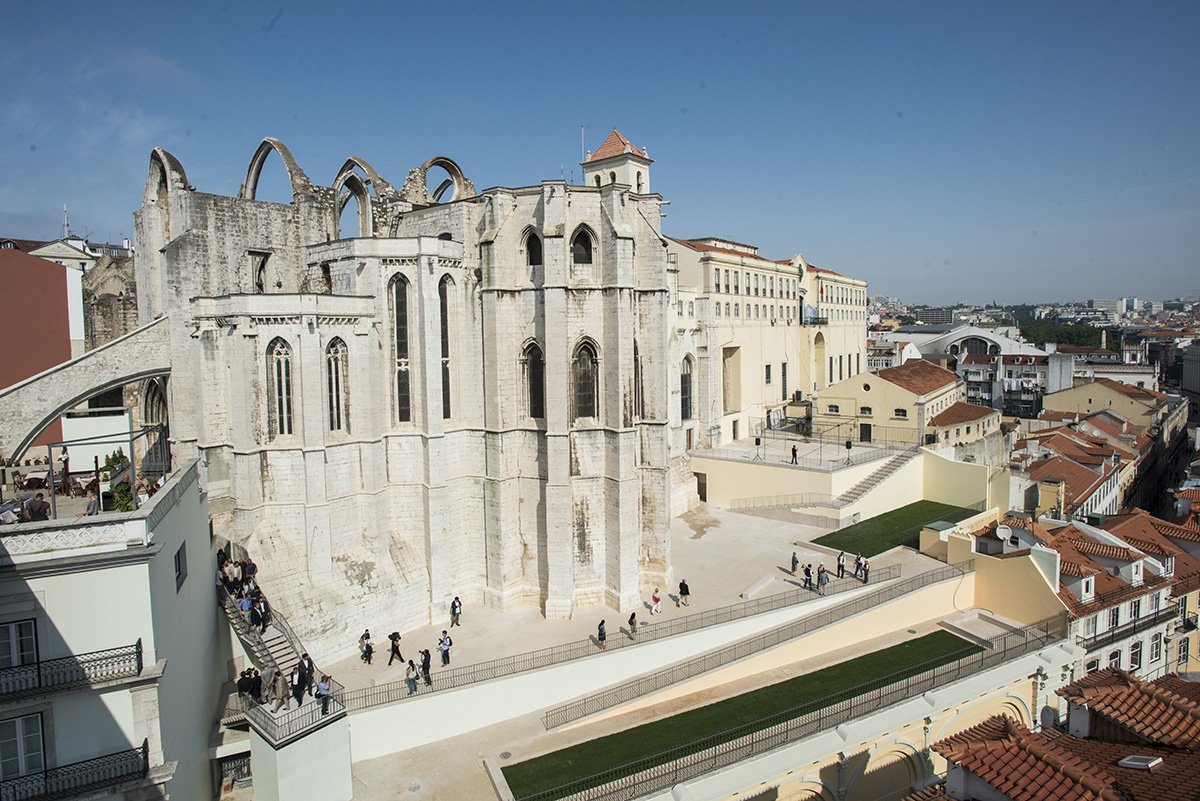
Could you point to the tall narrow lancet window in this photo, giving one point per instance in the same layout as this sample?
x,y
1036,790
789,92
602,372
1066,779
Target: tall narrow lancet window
x,y
585,378
402,376
685,389
444,304
335,385
581,248
533,250
535,380
639,404
279,388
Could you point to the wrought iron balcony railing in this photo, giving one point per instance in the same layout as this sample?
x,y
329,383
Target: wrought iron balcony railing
x,y
814,321
1128,629
77,670
88,776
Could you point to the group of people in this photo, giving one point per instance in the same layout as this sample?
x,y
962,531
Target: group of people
x,y
683,599
414,671
240,580
862,569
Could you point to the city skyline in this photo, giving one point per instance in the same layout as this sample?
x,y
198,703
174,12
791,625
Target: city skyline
x,y
1006,155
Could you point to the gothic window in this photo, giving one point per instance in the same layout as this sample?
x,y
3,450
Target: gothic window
x,y
535,380
336,370
685,389
585,379
444,305
612,177
597,180
718,309
639,182
258,269
581,248
398,300
533,250
639,408
279,388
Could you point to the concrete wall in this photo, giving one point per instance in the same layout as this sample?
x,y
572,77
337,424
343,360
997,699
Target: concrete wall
x,y
314,768
958,483
1014,588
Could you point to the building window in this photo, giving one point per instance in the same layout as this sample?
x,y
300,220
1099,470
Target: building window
x,y
444,305
727,282
1135,656
581,248
679,308
726,309
718,305
685,389
1135,609
336,362
756,285
834,409
1156,643
737,310
1155,600
1089,626
1184,645
864,411
180,566
279,384
535,380
737,286
21,747
716,280
691,309
1092,666
639,182
767,374
533,250
612,177
1114,617
258,269
1114,659
783,380
18,644
639,403
398,299
901,413
771,285
586,377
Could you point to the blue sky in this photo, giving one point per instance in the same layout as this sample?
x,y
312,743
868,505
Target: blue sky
x,y
940,150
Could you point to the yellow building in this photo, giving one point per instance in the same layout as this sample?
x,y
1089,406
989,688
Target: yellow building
x,y
898,404
1143,408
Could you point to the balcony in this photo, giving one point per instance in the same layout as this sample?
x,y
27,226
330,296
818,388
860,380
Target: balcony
x,y
1168,612
80,670
1186,623
814,321
88,777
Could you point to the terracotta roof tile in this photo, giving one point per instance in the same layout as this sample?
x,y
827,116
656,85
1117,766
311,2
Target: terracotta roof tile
x,y
1130,391
962,412
918,376
1189,494
615,145
1080,481
1150,711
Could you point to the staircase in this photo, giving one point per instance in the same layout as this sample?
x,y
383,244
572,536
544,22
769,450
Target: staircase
x,y
877,477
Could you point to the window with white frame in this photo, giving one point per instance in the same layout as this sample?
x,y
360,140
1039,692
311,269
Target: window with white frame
x,y
834,409
1092,666
1184,644
1087,590
1155,602
21,751
18,644
1135,655
1135,609
1089,626
1114,659
1114,617
1156,643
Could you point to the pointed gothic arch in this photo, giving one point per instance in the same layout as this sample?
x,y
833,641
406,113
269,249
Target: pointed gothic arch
x,y
296,176
583,245
585,380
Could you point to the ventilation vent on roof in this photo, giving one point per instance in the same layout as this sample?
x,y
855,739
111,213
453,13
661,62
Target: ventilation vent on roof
x,y
1136,762
1116,571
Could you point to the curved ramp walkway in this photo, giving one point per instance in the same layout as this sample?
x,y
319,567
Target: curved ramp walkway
x,y
643,685
31,405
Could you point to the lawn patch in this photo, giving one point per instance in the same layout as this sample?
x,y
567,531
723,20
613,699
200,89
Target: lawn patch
x,y
615,750
898,527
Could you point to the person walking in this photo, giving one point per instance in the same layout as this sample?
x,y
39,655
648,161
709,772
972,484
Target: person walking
x,y
808,585
279,688
822,579
602,635
794,455
858,561
310,672
368,649
256,686
685,592
655,600
299,684
633,624
841,564
444,646
323,694
426,658
362,645
866,571
455,611
395,653
410,677
795,563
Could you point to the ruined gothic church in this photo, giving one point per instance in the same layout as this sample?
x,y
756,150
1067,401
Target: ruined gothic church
x,y
466,395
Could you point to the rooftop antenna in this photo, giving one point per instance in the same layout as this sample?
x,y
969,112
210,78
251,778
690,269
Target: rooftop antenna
x,y
66,224
582,152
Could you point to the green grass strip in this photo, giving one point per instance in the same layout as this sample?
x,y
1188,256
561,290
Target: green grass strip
x,y
898,527
609,752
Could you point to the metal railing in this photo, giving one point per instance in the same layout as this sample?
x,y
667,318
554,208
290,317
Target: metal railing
x,y
628,690
88,776
283,728
837,460
813,321
1168,612
77,670
670,767
247,633
781,501
397,691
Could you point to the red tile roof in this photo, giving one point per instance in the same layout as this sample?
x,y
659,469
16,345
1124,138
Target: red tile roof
x,y
705,247
1080,482
1149,711
25,245
962,413
1130,391
918,376
616,145
1189,494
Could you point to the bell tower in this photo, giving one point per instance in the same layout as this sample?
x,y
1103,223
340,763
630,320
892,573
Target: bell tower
x,y
618,161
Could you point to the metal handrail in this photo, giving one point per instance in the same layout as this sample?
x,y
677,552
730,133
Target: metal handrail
x,y
69,781
247,633
831,465
77,670
397,691
295,723
1169,611
628,690
670,767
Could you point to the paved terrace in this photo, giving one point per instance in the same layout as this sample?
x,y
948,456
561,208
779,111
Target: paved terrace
x,y
815,454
